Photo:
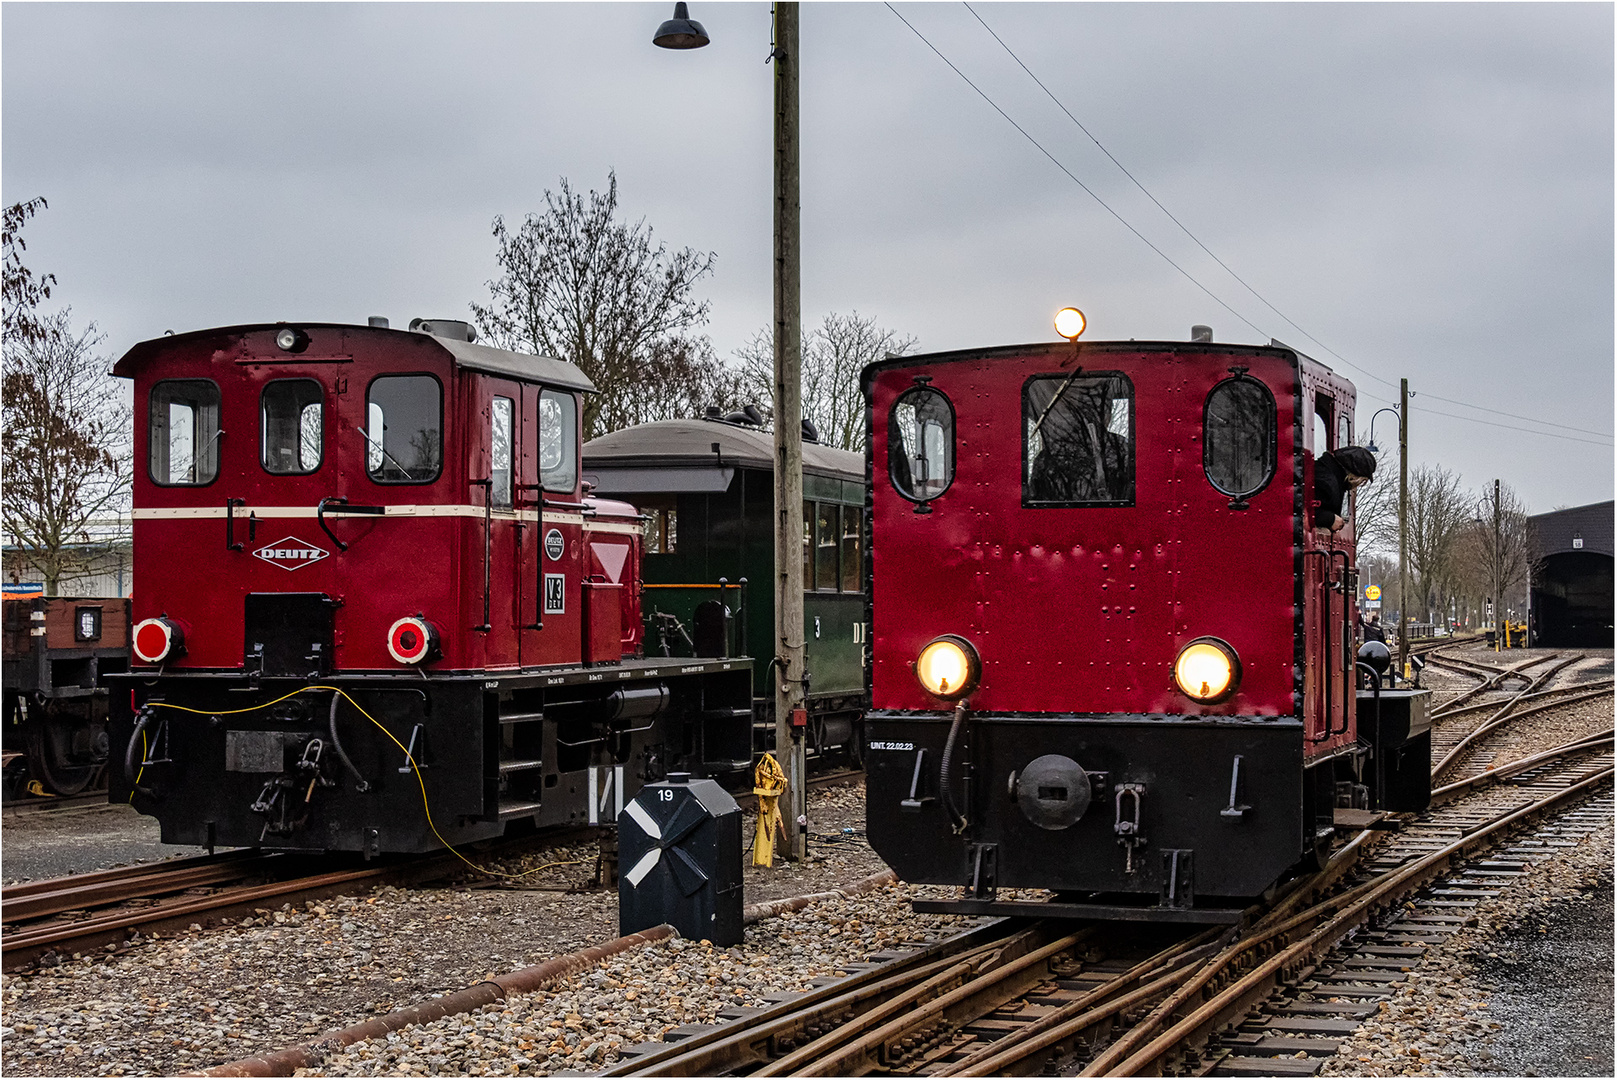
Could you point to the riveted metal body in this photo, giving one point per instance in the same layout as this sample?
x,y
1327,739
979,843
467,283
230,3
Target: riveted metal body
x,y
1081,516
398,516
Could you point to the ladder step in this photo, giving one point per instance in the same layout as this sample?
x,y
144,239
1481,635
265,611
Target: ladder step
x,y
516,809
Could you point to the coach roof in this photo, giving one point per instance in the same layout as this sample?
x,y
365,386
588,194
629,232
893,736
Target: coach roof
x,y
674,443
472,357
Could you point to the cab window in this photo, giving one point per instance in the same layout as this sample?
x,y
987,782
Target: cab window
x,y
1078,440
558,441
1238,437
184,432
404,436
920,444
499,492
289,428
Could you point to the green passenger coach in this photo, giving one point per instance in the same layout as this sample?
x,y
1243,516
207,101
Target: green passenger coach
x,y
706,488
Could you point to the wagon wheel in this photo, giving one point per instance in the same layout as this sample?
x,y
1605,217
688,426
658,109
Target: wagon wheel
x,y
65,752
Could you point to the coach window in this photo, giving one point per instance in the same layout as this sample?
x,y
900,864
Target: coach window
x,y
827,540
1238,436
808,545
920,444
499,491
404,440
558,441
1078,440
184,425
853,541
289,428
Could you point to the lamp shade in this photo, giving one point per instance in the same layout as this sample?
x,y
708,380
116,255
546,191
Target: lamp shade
x,y
680,32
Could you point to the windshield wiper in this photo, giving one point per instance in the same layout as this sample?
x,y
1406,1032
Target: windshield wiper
x,y
370,441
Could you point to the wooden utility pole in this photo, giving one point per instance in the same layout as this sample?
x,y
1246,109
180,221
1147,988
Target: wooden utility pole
x,y
788,668
1403,526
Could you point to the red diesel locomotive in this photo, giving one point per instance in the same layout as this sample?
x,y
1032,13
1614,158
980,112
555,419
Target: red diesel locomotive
x,y
378,610
1112,655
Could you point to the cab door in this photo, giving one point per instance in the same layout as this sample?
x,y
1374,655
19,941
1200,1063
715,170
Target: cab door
x,y
558,549
498,537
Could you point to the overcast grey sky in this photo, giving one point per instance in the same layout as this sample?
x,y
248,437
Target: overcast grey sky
x,y
1427,190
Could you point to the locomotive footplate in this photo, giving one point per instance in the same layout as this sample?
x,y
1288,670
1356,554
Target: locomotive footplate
x,y
1167,818
380,764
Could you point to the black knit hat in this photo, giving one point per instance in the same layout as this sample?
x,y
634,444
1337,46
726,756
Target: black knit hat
x,y
1356,460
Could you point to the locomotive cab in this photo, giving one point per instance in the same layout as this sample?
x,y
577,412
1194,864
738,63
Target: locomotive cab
x,y
379,610
1113,655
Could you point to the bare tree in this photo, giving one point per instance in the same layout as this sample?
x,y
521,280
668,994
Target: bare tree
x,y
1495,554
834,353
22,291
1439,512
65,433
1375,508
577,283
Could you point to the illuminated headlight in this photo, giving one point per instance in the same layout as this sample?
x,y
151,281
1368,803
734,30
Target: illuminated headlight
x,y
412,640
288,339
1070,323
949,667
1207,670
157,640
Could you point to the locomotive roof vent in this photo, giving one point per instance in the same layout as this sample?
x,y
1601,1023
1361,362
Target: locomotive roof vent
x,y
746,416
378,321
445,328
1201,333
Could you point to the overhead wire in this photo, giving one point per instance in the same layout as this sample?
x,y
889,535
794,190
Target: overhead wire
x,y
1197,240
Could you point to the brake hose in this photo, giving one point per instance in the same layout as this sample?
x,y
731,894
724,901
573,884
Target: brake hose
x,y
361,785
945,770
142,718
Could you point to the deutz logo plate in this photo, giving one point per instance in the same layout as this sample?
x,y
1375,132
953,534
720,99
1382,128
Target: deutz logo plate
x,y
291,553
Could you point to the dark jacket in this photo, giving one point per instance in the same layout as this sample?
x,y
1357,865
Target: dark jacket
x,y
1330,488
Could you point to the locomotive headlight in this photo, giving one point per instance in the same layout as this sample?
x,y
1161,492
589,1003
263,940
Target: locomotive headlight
x,y
157,640
288,339
949,667
1207,670
412,640
1070,322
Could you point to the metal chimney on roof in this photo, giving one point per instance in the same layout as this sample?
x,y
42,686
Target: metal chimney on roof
x,y
378,321
1201,333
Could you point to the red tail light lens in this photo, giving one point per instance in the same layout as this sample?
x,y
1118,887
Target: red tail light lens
x,y
412,640
157,640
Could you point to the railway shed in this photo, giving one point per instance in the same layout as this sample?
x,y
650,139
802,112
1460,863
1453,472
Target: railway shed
x,y
1571,602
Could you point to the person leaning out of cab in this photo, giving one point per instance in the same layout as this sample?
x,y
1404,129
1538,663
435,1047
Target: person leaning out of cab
x,y
1337,472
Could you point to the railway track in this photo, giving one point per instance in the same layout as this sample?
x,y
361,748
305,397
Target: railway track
x,y
1011,997
92,911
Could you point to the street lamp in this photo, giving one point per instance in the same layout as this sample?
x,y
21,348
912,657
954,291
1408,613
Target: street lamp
x,y
788,667
1372,444
680,32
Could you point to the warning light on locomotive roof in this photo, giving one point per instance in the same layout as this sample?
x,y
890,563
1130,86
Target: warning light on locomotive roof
x,y
948,667
1070,323
1207,670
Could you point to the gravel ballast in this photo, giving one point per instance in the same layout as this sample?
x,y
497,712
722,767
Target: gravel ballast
x,y
288,976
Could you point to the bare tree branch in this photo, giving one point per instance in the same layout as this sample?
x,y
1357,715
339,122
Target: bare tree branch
x,y
834,354
579,284
65,434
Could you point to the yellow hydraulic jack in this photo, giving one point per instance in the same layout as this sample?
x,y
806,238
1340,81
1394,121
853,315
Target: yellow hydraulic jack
x,y
769,784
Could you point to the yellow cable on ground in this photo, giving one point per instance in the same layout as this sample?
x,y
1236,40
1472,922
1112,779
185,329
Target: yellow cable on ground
x,y
769,784
425,807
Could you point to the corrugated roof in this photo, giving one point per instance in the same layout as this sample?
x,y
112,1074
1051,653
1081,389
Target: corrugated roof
x,y
1557,530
